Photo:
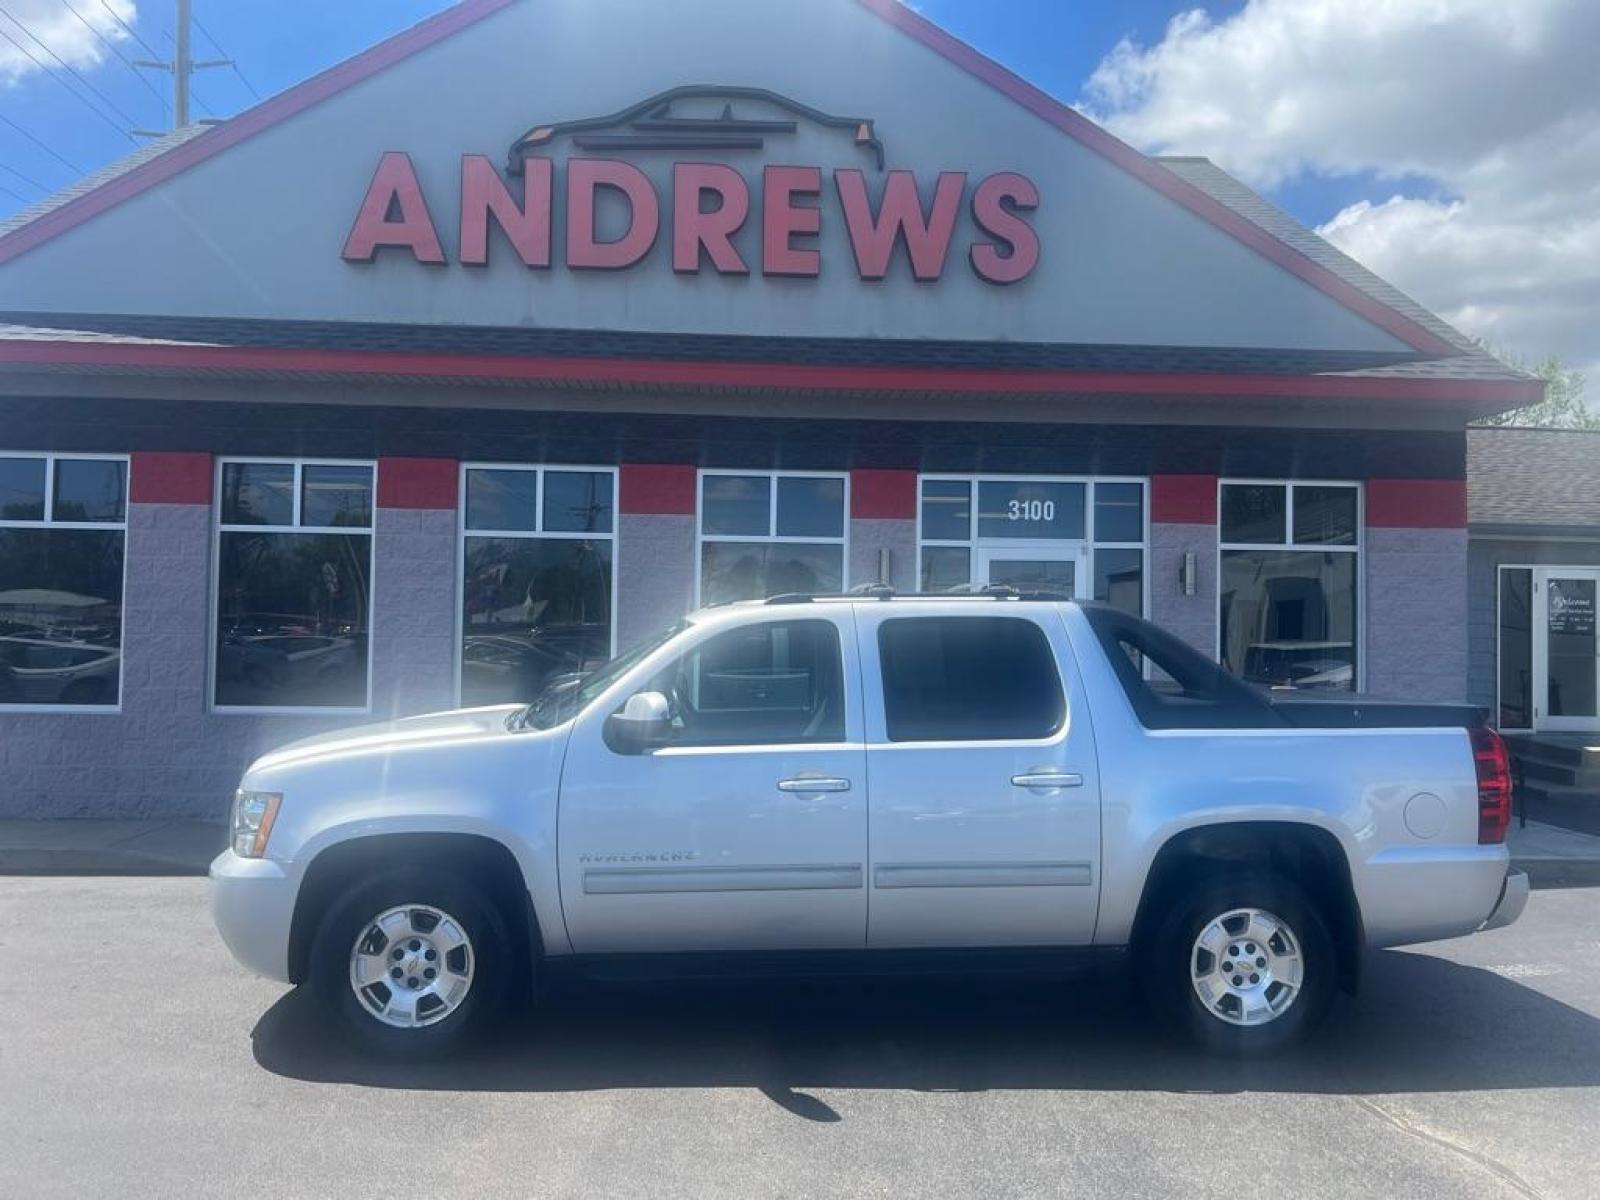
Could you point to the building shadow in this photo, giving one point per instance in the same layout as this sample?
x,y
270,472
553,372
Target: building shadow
x,y
1421,1024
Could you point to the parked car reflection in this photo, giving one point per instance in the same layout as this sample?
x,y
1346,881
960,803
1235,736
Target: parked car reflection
x,y
42,670
511,665
266,665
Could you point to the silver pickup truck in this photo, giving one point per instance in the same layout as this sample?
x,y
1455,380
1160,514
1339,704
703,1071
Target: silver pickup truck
x,y
872,780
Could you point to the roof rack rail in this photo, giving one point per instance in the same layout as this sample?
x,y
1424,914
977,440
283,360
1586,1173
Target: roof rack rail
x,y
882,591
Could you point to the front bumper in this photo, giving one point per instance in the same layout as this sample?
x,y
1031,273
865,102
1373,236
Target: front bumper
x,y
252,904
1513,899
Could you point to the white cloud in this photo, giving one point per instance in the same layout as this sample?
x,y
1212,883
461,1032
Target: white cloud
x,y
1499,103
53,23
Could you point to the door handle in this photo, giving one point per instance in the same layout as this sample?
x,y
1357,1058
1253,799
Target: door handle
x,y
1047,779
813,783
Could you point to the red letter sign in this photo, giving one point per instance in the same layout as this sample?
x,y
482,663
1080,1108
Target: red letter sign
x,y
995,205
693,227
782,220
584,177
395,189
484,194
900,215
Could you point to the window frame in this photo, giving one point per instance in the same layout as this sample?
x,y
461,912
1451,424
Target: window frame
x,y
1499,594
1357,548
48,521
535,534
218,528
772,536
973,542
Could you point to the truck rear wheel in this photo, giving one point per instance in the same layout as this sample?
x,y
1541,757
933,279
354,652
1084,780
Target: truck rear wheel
x,y
1242,965
412,962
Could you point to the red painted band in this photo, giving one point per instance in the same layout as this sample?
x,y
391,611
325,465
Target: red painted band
x,y
1509,393
1148,171
247,124
1183,499
657,489
163,478
883,495
1416,503
418,482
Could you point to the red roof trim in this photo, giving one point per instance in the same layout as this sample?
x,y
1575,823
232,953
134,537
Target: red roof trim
x,y
247,124
1079,127
801,376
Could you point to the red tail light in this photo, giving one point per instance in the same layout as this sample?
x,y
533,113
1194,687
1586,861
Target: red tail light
x,y
1493,765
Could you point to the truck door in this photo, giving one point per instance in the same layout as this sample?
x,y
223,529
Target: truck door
x,y
748,829
984,821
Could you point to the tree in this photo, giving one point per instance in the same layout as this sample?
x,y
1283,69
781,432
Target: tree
x,y
1562,406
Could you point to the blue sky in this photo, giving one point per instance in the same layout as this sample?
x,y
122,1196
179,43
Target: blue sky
x,y
1054,43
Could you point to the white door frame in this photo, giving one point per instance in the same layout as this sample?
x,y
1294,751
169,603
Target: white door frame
x,y
1542,720
1077,553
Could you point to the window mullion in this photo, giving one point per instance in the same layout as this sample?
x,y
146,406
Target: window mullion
x,y
538,500
49,513
299,484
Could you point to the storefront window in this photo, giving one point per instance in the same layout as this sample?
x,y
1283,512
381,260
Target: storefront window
x,y
294,585
765,534
1289,587
1082,536
62,540
537,563
1516,648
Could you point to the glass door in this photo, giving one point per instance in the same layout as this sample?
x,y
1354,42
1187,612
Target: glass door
x,y
1566,649
1060,569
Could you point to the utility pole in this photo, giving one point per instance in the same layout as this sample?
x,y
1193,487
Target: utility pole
x,y
182,66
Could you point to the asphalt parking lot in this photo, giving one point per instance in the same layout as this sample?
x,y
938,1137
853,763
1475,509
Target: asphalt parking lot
x,y
136,1058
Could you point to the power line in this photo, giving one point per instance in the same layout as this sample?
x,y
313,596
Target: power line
x,y
45,146
129,30
76,74
112,46
217,46
76,95
15,196
31,182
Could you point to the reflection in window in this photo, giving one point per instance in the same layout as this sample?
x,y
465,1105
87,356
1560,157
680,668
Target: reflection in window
x,y
1289,618
536,597
294,585
1288,584
1516,648
766,534
61,571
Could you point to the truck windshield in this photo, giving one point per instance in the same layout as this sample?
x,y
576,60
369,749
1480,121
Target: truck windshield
x,y
565,698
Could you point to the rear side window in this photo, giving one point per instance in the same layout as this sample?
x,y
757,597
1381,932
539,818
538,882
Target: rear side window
x,y
968,679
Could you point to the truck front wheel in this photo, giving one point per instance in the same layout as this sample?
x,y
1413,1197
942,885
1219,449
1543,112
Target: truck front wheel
x,y
412,961
1243,964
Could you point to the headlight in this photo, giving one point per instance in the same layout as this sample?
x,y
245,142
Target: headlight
x,y
253,815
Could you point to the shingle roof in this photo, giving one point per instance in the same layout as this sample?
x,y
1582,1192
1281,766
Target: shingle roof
x,y
1474,362
1533,477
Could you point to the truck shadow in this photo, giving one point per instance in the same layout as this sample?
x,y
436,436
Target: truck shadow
x,y
1421,1024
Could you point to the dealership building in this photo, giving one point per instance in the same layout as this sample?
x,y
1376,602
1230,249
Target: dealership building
x,y
467,363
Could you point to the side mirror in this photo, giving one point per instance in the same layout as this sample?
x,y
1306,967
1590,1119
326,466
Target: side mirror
x,y
644,723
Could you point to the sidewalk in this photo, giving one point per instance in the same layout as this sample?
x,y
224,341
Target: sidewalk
x,y
89,847
1553,857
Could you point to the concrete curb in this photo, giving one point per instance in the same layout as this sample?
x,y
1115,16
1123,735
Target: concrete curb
x,y
92,847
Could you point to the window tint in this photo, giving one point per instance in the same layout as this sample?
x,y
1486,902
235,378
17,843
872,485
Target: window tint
x,y
769,684
258,494
945,568
810,507
22,489
577,501
736,504
502,499
1030,509
336,496
1289,617
968,679
748,570
946,510
1118,512
1325,516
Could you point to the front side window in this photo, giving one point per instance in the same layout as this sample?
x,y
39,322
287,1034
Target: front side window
x,y
764,534
537,562
1289,588
63,535
965,679
778,683
294,585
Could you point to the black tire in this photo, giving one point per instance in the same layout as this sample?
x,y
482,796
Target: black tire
x,y
494,960
1167,963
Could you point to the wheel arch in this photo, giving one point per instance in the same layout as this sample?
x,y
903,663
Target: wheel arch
x,y
1308,854
486,860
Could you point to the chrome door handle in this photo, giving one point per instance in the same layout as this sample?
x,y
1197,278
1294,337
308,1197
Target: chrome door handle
x,y
1047,779
813,783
